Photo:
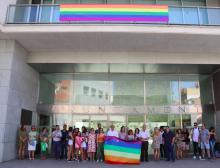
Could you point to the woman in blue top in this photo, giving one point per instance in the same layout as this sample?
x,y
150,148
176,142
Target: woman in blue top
x,y
212,141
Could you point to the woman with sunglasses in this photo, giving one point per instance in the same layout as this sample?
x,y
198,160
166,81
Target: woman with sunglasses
x,y
32,141
92,145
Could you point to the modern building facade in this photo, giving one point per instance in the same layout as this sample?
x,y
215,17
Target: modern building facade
x,y
122,73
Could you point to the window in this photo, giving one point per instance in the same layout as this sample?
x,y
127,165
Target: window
x,y
93,92
106,95
55,89
169,2
100,94
93,83
36,1
196,89
162,89
85,90
194,2
118,1
66,1
126,89
146,2
26,117
118,121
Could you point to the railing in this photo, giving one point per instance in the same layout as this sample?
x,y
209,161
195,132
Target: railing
x,y
49,14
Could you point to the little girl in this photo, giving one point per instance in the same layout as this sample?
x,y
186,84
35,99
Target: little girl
x,y
84,139
70,139
78,145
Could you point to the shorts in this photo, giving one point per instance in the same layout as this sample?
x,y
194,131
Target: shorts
x,y
185,146
77,146
204,145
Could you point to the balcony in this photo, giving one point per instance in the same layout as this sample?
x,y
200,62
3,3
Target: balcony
x,y
49,14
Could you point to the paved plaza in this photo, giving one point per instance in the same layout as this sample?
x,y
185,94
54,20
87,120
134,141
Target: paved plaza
x,y
50,163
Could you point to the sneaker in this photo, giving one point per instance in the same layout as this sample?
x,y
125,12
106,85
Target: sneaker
x,y
69,161
162,158
202,158
87,159
77,161
84,161
101,160
97,161
209,158
194,157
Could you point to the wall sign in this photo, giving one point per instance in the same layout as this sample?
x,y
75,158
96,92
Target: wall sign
x,y
114,12
87,109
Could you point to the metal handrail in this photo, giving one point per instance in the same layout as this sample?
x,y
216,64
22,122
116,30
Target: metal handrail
x,y
40,6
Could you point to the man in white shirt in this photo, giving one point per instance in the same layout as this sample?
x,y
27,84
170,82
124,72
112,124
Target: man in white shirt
x,y
57,134
144,136
195,138
112,132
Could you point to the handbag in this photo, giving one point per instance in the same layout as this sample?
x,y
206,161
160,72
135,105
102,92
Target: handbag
x,y
43,147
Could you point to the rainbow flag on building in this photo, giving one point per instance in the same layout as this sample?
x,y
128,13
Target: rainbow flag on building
x,y
118,151
114,12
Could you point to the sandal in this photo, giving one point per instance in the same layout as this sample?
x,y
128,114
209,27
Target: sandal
x,y
29,158
19,158
42,159
23,158
178,158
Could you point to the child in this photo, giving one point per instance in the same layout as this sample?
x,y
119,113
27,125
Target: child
x,y
70,139
162,150
84,139
78,145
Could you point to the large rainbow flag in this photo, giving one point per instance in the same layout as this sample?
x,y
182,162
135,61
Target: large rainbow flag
x,y
118,151
115,12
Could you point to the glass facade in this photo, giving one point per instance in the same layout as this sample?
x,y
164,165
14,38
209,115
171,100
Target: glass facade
x,y
162,89
126,89
90,89
196,89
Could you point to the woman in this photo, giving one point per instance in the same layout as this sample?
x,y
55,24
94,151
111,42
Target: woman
x,y
156,144
78,145
91,144
44,137
84,139
22,141
179,137
130,136
32,141
122,134
84,130
136,134
212,141
100,145
70,148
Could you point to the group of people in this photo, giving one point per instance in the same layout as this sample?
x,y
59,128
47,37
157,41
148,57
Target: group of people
x,y
91,145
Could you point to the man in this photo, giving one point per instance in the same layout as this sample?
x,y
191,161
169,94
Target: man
x,y
144,136
64,142
168,142
112,132
56,142
97,131
204,136
162,150
186,141
195,138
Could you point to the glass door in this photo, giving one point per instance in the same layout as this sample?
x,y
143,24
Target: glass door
x,y
99,119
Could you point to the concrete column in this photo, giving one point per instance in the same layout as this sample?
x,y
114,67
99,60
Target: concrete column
x,y
18,90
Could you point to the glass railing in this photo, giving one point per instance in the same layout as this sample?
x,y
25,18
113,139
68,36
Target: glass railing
x,y
49,14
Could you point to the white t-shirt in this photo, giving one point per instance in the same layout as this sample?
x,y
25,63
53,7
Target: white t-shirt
x,y
161,137
112,133
195,133
84,142
145,134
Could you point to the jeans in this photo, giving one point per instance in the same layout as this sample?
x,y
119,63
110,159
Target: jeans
x,y
195,144
169,149
63,146
144,150
56,148
162,151
212,145
100,151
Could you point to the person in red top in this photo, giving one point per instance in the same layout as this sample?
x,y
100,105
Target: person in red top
x,y
186,141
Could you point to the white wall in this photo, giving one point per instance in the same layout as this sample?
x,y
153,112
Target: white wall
x,y
18,90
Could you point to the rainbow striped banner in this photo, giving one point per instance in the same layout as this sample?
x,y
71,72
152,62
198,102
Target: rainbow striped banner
x,y
118,151
116,12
